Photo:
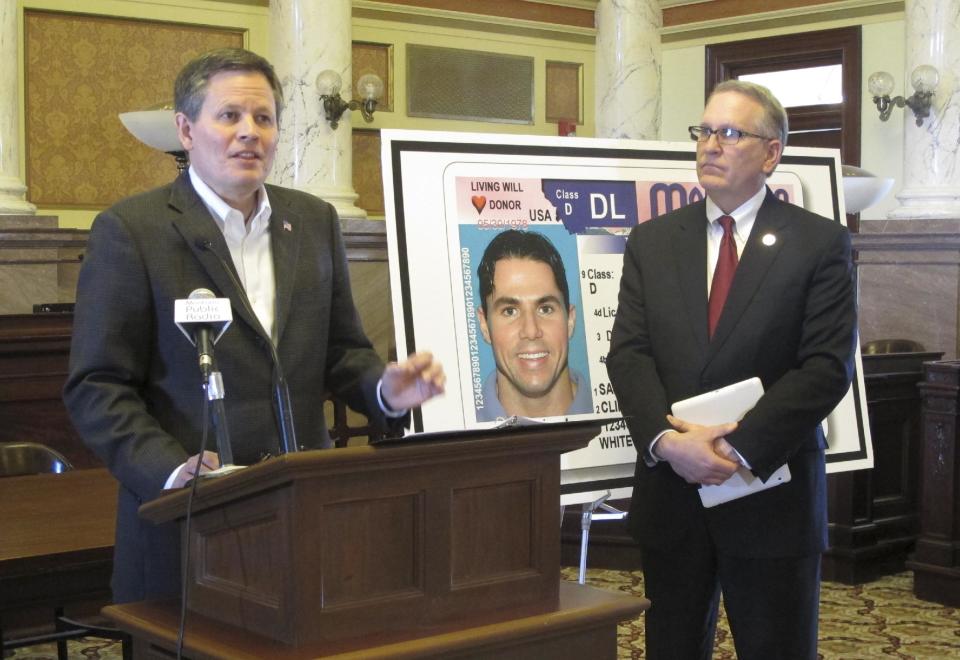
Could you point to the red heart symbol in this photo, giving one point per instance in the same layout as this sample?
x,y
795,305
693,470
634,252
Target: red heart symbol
x,y
479,202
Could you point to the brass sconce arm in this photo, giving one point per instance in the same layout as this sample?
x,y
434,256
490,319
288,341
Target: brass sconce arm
x,y
369,88
920,103
924,80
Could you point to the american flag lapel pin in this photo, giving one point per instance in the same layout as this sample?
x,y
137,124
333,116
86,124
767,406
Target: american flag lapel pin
x,y
287,226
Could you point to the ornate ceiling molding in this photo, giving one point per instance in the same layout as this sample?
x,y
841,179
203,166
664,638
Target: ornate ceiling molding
x,y
722,17
728,18
466,20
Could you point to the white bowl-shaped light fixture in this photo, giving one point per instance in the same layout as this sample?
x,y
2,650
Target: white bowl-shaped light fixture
x,y
861,189
155,128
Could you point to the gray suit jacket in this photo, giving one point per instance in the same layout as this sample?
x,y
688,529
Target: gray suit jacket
x,y
790,319
134,389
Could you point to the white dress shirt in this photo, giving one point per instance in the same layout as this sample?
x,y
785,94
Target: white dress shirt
x,y
743,218
249,244
252,255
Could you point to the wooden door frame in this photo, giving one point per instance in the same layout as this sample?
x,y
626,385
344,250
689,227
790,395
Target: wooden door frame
x,y
837,46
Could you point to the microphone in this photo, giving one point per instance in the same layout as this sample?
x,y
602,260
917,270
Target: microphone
x,y
281,393
203,318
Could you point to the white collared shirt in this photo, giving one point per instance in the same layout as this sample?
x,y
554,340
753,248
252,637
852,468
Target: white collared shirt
x,y
250,248
252,256
744,216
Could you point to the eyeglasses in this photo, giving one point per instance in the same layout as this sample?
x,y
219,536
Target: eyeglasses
x,y
724,135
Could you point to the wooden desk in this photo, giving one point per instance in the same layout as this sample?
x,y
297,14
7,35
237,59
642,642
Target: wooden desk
x,y
34,355
56,539
584,625
874,514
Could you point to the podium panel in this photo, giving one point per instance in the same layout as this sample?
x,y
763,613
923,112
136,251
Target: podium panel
x,y
583,625
333,544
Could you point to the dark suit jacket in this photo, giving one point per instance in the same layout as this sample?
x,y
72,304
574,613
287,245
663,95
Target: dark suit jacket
x,y
134,388
790,319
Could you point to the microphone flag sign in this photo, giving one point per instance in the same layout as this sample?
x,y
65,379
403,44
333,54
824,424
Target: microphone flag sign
x,y
213,312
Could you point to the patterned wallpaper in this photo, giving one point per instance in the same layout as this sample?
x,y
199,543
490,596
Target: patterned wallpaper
x,y
367,175
378,59
563,92
81,72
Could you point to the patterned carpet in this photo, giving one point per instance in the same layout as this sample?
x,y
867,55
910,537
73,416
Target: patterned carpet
x,y
880,619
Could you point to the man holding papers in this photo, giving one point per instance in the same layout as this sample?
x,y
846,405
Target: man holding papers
x,y
741,285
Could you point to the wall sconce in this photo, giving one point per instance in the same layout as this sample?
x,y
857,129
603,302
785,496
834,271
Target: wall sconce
x,y
369,89
924,80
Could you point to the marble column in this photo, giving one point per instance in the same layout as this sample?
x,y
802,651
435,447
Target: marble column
x,y
307,37
931,168
11,185
628,69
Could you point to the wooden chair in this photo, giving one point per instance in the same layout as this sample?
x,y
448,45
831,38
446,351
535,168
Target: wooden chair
x,y
341,430
882,346
23,458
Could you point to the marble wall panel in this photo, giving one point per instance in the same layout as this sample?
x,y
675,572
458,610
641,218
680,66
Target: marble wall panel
x,y
39,263
910,301
25,285
909,282
28,274
17,222
67,273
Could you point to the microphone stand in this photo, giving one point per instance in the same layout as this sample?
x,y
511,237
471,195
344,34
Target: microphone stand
x,y
281,393
218,416
215,392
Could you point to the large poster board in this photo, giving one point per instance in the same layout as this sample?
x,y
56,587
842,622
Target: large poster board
x,y
450,195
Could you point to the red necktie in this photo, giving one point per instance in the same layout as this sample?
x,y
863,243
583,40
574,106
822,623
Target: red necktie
x,y
723,274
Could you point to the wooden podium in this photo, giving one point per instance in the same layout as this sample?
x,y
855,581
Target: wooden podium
x,y
320,552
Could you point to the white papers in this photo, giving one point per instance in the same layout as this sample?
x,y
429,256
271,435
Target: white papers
x,y
729,404
742,483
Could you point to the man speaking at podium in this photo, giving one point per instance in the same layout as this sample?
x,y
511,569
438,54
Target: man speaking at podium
x,y
738,286
134,388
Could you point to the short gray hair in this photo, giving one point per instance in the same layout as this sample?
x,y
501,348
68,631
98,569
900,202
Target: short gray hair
x,y
190,88
774,122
